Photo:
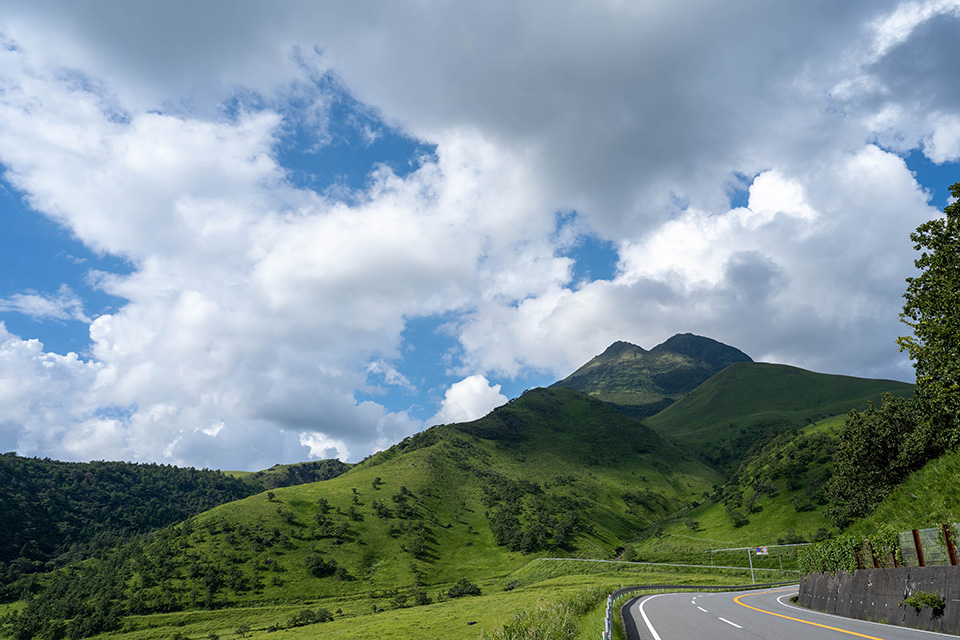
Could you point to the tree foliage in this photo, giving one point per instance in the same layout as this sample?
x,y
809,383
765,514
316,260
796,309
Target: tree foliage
x,y
872,458
62,511
932,310
879,447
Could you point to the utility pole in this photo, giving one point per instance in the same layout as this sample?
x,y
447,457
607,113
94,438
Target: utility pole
x,y
750,558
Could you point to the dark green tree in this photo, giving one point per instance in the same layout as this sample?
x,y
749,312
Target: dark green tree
x,y
932,310
462,588
871,458
320,567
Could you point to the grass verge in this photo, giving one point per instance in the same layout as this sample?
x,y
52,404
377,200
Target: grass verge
x,y
551,599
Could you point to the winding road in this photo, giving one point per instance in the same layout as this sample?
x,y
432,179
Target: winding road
x,y
746,615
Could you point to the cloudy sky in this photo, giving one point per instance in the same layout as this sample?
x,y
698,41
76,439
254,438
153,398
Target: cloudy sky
x,y
234,234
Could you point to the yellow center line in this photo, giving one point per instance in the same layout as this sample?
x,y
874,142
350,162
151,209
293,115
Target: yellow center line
x,y
816,624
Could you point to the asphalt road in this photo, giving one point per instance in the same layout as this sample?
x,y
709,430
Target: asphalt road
x,y
747,615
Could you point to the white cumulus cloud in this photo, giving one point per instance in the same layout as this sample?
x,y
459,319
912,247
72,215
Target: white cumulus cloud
x,y
471,398
259,309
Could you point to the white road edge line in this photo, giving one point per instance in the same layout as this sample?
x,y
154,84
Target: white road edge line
x,y
731,623
878,624
653,632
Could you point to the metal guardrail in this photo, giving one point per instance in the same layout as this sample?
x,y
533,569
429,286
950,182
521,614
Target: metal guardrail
x,y
666,564
619,594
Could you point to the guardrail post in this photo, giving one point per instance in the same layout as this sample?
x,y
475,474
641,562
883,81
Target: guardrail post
x,y
873,554
916,543
951,550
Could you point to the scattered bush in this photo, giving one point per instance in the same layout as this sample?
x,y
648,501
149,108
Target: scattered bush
x,y
320,567
307,616
462,588
420,597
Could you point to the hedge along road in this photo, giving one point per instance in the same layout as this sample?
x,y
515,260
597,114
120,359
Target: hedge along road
x,y
746,615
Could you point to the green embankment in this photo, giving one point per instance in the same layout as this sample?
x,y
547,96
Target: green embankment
x,y
927,498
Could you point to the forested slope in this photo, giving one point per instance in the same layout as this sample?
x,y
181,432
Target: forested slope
x,y
55,512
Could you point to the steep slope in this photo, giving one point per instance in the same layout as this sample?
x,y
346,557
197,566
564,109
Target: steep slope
x,y
927,498
553,472
641,383
722,418
775,496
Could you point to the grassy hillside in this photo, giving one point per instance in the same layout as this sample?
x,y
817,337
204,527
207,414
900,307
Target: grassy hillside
x,y
400,544
551,473
775,496
726,415
927,498
641,383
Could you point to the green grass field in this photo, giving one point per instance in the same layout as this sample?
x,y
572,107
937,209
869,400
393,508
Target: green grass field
x,y
541,586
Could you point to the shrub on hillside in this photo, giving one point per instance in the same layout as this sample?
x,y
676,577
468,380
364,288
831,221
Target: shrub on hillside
x,y
462,588
320,567
307,616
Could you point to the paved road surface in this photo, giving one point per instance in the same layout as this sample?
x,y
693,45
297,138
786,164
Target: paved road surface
x,y
766,614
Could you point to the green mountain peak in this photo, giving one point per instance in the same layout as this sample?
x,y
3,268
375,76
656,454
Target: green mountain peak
x,y
642,383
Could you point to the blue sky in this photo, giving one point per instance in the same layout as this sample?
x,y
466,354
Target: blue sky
x,y
274,234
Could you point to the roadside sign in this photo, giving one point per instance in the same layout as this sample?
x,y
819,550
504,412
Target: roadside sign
x,y
762,551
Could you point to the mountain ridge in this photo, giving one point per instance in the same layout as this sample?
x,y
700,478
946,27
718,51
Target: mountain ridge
x,y
724,416
642,383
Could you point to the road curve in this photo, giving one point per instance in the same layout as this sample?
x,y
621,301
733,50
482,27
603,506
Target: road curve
x,y
765,614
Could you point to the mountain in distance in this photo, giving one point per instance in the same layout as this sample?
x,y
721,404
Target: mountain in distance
x,y
642,383
723,417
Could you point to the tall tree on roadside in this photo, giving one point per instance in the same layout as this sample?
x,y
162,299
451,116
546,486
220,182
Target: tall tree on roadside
x,y
932,310
881,446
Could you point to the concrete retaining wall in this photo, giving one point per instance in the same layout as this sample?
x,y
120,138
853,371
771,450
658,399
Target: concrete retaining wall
x,y
877,594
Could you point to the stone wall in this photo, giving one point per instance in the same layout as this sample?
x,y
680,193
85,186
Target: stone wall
x,y
878,594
